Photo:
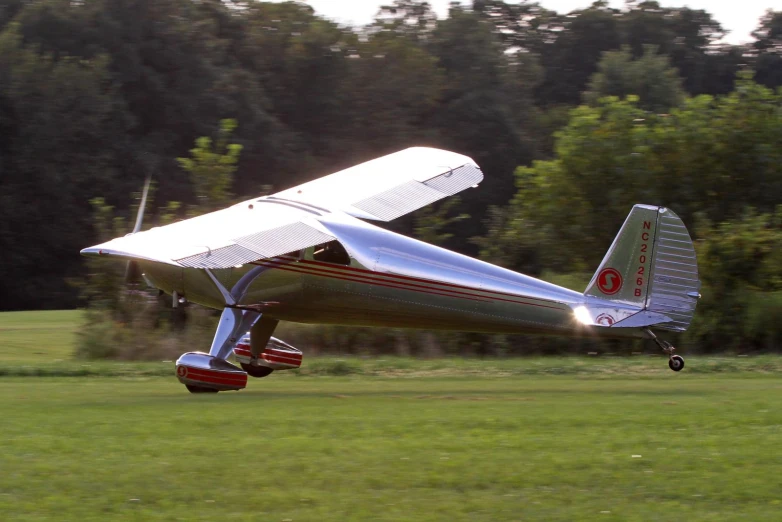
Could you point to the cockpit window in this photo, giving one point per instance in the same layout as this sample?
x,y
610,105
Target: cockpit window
x,y
331,252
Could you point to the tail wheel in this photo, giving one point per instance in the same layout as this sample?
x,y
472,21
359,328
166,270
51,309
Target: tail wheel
x,y
676,363
199,389
256,371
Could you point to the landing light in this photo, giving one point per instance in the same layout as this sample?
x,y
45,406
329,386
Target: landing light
x,y
582,315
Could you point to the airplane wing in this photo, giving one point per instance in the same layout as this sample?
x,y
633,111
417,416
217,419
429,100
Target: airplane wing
x,y
391,186
245,232
381,189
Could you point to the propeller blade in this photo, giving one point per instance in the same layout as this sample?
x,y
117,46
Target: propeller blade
x,y
132,269
142,205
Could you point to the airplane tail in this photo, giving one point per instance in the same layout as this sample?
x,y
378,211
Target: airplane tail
x,y
651,265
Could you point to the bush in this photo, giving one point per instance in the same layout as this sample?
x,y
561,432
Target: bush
x,y
146,333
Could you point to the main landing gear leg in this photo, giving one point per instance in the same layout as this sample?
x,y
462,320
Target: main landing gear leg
x,y
675,362
233,324
260,334
209,373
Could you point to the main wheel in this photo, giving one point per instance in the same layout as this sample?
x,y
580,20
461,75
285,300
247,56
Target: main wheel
x,y
256,371
676,363
199,389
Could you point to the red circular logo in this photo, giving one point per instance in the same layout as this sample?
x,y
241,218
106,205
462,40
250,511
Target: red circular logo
x,y
609,281
605,320
181,371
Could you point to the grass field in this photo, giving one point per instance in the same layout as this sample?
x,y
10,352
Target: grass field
x,y
548,448
532,439
27,336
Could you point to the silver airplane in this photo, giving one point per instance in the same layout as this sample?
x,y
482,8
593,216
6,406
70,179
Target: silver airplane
x,y
309,255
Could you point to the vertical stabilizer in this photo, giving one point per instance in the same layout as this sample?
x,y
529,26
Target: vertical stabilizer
x,y
651,265
623,275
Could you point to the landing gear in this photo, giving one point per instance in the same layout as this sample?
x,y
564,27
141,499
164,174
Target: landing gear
x,y
675,362
256,371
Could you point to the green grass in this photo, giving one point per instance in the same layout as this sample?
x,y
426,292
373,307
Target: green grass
x,y
42,336
401,367
42,344
670,447
349,438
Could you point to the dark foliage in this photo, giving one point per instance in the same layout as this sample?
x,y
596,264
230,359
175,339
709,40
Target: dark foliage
x,y
98,94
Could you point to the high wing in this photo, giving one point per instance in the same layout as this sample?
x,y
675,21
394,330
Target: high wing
x,y
245,232
383,189
391,186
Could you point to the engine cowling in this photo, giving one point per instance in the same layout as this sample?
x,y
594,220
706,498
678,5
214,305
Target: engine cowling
x,y
199,370
278,355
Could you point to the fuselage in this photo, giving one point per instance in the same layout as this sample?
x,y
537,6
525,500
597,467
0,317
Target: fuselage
x,y
388,280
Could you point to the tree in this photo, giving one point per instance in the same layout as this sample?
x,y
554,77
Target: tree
x,y
740,265
393,85
432,224
570,46
690,38
212,166
413,19
768,49
301,62
526,26
573,57
650,77
711,157
60,118
177,66
487,110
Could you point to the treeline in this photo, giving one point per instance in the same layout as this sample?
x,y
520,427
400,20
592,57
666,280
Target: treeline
x,y
96,95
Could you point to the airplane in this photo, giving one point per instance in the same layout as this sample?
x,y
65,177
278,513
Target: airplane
x,y
309,254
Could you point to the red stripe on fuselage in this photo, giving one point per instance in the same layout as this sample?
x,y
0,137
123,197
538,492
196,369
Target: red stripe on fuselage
x,y
379,279
404,277
355,278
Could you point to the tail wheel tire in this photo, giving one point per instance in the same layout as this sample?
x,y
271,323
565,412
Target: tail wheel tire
x,y
256,371
676,363
199,389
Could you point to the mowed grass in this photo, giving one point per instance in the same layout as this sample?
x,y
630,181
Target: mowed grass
x,y
45,336
568,438
668,447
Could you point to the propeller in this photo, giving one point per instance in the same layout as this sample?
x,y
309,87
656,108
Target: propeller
x,y
133,270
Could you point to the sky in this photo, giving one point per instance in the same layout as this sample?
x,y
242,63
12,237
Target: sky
x,y
738,17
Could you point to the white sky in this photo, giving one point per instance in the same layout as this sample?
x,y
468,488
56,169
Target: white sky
x,y
740,18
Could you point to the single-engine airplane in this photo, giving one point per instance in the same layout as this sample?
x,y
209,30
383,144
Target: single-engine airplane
x,y
308,254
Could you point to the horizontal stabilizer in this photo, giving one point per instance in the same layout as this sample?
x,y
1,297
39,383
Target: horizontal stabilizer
x,y
617,316
641,319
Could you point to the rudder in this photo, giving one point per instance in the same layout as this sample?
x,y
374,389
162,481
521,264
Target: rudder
x,y
674,285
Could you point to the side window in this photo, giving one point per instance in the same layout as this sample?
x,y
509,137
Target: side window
x,y
331,252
